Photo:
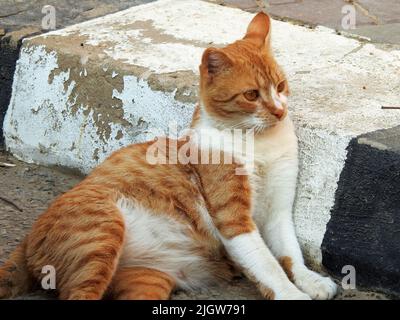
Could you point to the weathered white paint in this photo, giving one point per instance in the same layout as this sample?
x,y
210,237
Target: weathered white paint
x,y
326,72
321,155
37,130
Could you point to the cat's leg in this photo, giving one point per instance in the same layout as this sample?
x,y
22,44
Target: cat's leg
x,y
231,221
279,232
139,283
89,277
92,275
249,251
15,278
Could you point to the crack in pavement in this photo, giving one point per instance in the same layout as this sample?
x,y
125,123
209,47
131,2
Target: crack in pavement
x,y
354,50
283,3
364,11
12,14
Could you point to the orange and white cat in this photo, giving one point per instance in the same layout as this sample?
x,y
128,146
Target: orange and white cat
x,y
136,230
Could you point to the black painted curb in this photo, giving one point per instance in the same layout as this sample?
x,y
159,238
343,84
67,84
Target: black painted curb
x,y
364,229
10,45
9,55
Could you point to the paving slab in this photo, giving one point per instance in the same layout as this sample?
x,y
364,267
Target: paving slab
x,y
16,14
387,33
385,11
375,20
311,12
316,12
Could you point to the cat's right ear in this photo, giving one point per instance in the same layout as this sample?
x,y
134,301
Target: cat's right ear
x,y
259,30
215,61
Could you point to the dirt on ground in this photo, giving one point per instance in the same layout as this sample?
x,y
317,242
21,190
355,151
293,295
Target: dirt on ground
x,y
27,189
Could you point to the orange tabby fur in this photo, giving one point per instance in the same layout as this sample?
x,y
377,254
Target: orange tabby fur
x,y
82,234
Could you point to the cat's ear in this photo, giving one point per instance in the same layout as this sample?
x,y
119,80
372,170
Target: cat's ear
x,y
215,61
259,30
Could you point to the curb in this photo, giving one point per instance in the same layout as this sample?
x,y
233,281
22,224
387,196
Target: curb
x,y
363,231
10,44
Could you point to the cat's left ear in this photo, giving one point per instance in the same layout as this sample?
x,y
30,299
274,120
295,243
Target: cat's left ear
x,y
259,30
215,61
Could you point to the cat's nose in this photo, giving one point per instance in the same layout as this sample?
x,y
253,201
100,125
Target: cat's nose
x,y
278,112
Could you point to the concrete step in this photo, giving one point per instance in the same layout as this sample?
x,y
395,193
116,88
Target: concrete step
x,y
21,19
364,227
81,92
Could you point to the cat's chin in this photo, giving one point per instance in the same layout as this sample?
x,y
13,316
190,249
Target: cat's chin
x,y
265,128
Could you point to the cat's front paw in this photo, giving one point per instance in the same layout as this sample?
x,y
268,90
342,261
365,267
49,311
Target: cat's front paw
x,y
292,295
315,285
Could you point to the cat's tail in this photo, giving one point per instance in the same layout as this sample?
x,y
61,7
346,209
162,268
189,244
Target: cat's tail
x,y
14,276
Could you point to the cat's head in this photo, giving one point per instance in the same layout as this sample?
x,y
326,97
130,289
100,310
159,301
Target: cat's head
x,y
241,85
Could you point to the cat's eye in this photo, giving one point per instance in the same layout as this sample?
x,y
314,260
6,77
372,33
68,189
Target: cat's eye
x,y
281,86
251,95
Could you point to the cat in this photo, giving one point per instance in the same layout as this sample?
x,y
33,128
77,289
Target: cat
x,y
136,230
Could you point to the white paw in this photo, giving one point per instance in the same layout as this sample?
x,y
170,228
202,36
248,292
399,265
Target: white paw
x,y
315,285
292,294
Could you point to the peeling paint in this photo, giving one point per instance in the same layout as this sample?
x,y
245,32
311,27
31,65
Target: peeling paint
x,y
67,131
149,33
94,93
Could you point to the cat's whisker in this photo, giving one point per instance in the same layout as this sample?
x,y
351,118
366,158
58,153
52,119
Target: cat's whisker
x,y
245,124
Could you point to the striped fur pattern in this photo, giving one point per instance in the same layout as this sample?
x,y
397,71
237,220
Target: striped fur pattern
x,y
136,230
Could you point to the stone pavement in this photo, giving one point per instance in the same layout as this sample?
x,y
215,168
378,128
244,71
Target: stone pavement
x,y
16,14
378,20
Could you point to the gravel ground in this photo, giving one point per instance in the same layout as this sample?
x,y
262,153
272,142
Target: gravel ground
x,y
27,189
21,13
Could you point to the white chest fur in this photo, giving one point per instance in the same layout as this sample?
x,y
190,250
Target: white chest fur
x,y
273,156
276,159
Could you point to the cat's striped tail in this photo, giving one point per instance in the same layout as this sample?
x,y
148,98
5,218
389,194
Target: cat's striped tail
x,y
14,276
